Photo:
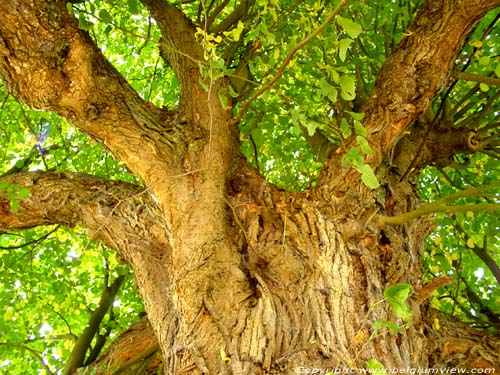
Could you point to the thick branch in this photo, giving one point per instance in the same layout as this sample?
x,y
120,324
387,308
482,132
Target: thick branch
x,y
236,15
410,78
419,68
50,64
178,44
122,356
120,214
320,144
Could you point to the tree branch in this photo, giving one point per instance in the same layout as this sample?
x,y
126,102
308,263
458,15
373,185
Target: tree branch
x,y
82,345
482,253
210,15
178,44
95,204
31,351
319,143
433,208
121,356
61,70
237,14
441,205
459,345
415,72
408,81
476,78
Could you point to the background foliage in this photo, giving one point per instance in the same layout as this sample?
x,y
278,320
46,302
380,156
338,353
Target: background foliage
x,y
52,278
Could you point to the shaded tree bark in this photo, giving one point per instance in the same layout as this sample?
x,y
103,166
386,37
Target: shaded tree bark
x,y
224,261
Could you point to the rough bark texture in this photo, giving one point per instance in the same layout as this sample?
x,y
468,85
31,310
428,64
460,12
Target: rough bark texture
x,y
224,261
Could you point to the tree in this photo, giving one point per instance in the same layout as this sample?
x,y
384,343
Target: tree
x,y
245,259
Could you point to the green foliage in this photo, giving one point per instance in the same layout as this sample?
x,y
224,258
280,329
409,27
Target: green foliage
x,y
129,39
464,245
14,193
461,242
51,279
375,367
396,296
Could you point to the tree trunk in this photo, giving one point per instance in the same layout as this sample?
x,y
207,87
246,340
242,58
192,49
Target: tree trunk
x,y
236,276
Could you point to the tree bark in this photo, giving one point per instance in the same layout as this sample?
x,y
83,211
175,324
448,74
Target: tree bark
x,y
236,276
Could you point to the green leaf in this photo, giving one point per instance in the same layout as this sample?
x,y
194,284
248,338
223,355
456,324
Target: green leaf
x,y
359,129
324,86
393,327
398,291
327,90
334,75
23,193
296,130
497,70
83,23
311,127
332,95
375,366
3,185
133,7
295,115
348,87
105,16
396,296
345,128
352,157
223,99
358,116
485,60
14,205
343,47
368,176
235,33
350,27
364,145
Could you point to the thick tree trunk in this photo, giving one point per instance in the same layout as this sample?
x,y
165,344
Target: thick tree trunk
x,y
235,275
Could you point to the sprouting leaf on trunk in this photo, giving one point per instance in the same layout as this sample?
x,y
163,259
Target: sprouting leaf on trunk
x,y
396,296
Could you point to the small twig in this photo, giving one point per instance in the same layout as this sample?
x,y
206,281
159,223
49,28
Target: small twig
x,y
31,351
433,208
476,78
442,205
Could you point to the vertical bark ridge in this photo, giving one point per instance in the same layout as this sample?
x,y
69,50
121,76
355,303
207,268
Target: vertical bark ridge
x,y
316,275
290,317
